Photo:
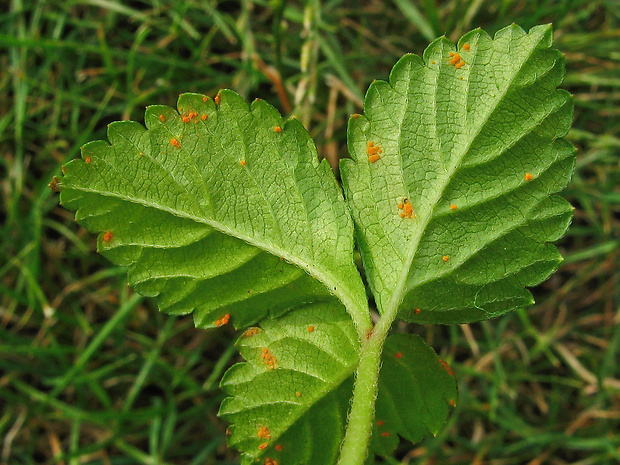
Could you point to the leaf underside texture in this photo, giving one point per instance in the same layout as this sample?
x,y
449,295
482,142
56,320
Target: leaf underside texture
x,y
289,400
455,212
219,208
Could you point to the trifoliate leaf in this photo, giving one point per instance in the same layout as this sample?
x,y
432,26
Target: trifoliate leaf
x,y
454,163
219,208
290,398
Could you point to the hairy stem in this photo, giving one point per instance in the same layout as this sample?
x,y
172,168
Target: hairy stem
x,y
359,428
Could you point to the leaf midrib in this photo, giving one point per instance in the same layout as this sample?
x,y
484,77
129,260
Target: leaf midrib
x,y
334,286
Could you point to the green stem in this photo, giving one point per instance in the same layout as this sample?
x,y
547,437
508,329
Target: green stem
x,y
359,428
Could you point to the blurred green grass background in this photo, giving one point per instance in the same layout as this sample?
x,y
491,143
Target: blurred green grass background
x,y
91,373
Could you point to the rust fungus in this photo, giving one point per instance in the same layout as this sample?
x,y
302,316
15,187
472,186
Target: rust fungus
x,y
528,176
107,237
277,129
216,99
222,321
262,446
466,47
269,358
87,159
263,433
251,332
453,207
310,328
242,162
445,258
175,143
417,310
54,184
446,367
204,117
399,355
407,209
162,118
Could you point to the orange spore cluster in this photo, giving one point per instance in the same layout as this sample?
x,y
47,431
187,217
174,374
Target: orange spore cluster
x,y
242,162
216,99
380,423
87,159
263,433
417,310
407,209
466,47
107,236
204,116
456,60
175,143
452,403
205,99
278,447
277,129
263,446
54,184
251,332
528,176
270,461
446,367
385,434
453,207
310,328
269,358
298,394
373,151
222,321
445,258
398,355
162,118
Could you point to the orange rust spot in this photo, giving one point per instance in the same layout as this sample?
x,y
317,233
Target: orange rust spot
x,y
380,423
417,310
451,54
251,332
192,114
87,159
175,143
355,115
461,78
310,328
445,258
242,162
452,403
399,355
407,209
270,461
162,118
385,434
453,207
228,432
269,358
446,367
140,154
204,116
262,446
373,151
222,321
277,129
528,176
205,99
298,394
54,184
107,236
455,58
460,64
432,62
186,119
216,99
466,47
263,433
278,447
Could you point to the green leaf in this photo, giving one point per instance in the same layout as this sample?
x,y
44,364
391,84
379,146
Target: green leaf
x,y
290,398
475,149
218,209
416,391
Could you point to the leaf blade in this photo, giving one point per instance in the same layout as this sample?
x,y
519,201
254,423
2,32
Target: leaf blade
x,y
473,151
215,206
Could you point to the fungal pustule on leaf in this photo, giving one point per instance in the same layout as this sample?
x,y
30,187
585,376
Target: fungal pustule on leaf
x,y
162,118
175,143
107,237
263,433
